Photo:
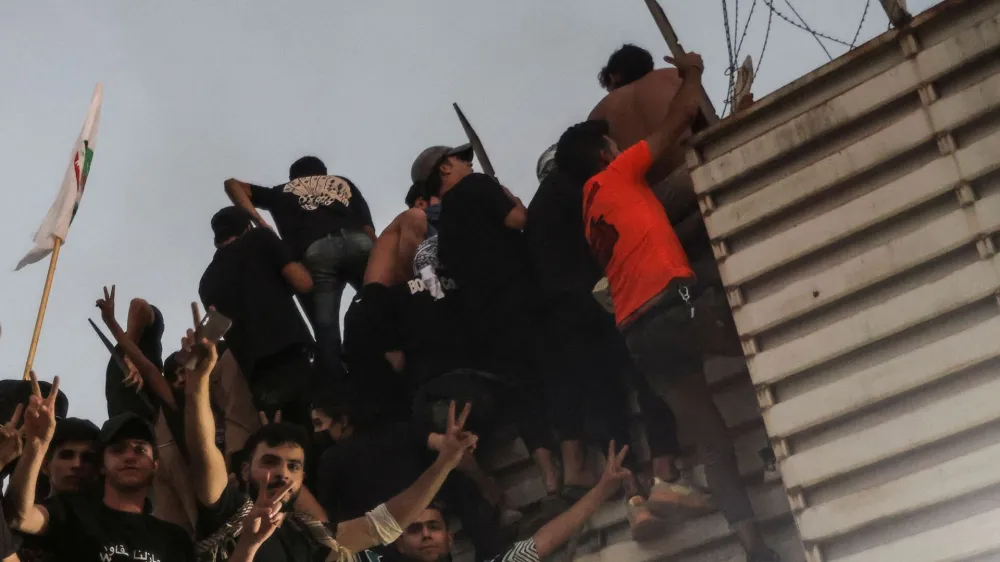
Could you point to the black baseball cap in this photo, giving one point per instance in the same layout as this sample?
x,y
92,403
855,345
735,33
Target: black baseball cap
x,y
228,222
431,158
126,426
69,430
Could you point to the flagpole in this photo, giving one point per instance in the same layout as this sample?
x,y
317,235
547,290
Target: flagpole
x,y
53,258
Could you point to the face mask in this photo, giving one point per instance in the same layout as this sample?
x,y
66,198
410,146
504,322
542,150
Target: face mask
x,y
322,441
433,213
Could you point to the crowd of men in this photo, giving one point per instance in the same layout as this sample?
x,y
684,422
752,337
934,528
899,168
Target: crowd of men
x,y
473,313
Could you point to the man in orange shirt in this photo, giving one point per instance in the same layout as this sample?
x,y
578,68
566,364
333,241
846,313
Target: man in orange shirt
x,y
653,287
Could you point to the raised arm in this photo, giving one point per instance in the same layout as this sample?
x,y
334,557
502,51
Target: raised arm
x,y
356,535
149,372
556,532
140,317
39,425
683,110
208,466
517,218
240,194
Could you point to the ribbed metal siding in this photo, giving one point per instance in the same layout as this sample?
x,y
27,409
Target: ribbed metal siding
x,y
854,216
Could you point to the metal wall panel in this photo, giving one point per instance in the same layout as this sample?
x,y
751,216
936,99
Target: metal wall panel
x,y
854,217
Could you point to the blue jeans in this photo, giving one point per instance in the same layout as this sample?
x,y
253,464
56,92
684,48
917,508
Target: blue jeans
x,y
336,260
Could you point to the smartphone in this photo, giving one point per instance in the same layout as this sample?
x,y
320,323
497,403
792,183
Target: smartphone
x,y
213,326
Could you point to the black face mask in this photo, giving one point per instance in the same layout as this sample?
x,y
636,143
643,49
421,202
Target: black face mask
x,y
322,441
433,214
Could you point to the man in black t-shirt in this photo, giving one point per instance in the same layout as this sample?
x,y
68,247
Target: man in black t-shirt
x,y
251,281
427,539
327,225
245,522
586,359
481,244
71,467
354,474
124,391
116,524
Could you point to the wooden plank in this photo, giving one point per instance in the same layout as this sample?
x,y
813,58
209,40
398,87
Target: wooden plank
x,y
901,374
894,140
962,287
925,425
950,480
965,539
896,256
848,107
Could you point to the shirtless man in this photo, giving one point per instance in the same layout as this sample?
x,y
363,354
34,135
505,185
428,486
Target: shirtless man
x,y
638,100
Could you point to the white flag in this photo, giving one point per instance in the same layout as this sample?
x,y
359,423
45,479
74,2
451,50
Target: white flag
x,y
60,216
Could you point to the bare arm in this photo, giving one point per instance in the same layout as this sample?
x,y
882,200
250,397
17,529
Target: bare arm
x,y
39,426
239,194
555,533
140,317
517,218
149,372
298,277
405,507
355,534
684,109
208,466
25,515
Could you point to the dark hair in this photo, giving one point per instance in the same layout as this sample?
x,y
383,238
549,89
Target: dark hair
x,y
432,187
275,435
72,430
171,365
415,193
335,401
340,400
579,149
440,507
628,64
305,167
229,222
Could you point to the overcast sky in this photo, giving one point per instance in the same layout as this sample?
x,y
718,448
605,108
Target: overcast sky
x,y
196,92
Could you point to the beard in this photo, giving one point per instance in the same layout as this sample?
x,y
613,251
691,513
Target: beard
x,y
130,484
287,506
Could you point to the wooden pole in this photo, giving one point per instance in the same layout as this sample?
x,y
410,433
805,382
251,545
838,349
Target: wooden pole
x,y
53,258
896,10
667,30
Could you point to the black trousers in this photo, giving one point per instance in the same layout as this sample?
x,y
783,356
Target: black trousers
x,y
588,371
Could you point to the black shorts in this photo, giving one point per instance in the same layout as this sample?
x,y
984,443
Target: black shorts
x,y
662,341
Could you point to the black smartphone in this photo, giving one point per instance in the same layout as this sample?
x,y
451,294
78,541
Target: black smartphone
x,y
213,326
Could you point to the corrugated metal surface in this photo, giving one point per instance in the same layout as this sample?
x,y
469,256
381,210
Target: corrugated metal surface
x,y
854,216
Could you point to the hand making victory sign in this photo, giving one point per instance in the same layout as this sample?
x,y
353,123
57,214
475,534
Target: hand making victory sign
x,y
107,308
40,416
266,515
457,442
11,441
203,348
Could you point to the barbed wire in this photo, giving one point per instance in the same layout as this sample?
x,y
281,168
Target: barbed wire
x,y
746,28
864,15
731,63
809,29
817,34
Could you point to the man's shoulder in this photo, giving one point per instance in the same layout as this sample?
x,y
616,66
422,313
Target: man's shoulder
x,y
475,179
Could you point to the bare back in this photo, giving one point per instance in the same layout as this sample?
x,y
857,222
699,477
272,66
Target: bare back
x,y
634,111
391,258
